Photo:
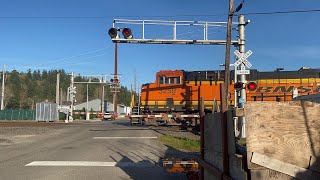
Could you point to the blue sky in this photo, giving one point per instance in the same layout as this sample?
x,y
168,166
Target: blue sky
x,y
83,46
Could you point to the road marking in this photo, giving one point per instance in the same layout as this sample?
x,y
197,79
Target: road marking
x,y
152,137
89,163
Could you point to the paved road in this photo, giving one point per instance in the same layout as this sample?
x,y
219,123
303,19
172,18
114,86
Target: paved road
x,y
83,150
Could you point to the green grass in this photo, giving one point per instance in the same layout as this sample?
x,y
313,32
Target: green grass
x,y
242,141
181,144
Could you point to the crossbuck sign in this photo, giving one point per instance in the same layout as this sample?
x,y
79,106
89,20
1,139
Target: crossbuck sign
x,y
242,58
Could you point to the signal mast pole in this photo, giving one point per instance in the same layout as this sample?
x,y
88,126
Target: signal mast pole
x,y
115,98
242,76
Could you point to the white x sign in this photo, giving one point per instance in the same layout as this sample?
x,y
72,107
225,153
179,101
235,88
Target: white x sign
x,y
243,58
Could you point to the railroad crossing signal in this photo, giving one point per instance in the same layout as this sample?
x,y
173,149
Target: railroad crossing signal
x,y
242,58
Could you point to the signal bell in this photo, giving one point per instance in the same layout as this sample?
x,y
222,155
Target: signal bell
x,y
127,34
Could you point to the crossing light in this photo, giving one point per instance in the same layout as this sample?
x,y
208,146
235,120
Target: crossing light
x,y
252,86
127,34
113,32
238,86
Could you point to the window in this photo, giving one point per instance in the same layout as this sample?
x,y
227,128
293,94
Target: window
x,y
161,79
166,80
178,80
171,80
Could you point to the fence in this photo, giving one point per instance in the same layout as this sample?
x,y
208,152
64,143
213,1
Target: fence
x,y
17,114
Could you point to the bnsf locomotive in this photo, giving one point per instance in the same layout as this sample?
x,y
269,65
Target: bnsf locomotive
x,y
179,91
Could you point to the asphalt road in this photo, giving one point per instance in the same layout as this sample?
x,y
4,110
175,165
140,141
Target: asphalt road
x,y
83,150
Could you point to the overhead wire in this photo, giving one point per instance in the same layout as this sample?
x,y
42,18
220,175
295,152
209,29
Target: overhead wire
x,y
181,15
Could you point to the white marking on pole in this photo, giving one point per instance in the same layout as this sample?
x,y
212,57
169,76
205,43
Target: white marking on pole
x,y
88,163
152,137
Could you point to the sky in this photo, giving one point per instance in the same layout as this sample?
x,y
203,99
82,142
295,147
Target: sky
x,y
72,35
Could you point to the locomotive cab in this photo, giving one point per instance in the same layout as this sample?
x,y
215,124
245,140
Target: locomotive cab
x,y
169,78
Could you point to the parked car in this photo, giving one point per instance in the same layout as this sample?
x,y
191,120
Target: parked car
x,y
108,113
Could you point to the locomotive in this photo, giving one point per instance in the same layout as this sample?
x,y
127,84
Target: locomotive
x,y
179,91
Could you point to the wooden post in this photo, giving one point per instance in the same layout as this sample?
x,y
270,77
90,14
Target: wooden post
x,y
202,136
224,133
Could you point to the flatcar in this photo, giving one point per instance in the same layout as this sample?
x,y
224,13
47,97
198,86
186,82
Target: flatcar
x,y
179,91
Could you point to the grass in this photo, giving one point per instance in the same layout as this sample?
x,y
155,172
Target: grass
x,y
181,144
242,141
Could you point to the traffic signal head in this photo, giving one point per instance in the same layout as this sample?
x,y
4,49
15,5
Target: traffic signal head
x,y
252,86
127,34
111,80
238,86
113,32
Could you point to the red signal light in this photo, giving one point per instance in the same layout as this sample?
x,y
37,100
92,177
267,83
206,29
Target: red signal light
x,y
252,86
127,34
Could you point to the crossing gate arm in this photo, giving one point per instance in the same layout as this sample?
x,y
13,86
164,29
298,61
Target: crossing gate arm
x,y
152,116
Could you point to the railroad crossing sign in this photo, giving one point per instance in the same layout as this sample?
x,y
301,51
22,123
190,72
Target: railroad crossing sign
x,y
242,58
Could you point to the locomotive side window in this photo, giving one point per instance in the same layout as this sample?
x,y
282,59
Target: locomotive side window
x,y
161,79
166,80
169,80
178,80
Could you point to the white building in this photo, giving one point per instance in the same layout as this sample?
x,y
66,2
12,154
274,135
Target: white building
x,y
95,105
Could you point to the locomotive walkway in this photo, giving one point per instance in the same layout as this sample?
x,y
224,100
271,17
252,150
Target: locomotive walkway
x,y
83,150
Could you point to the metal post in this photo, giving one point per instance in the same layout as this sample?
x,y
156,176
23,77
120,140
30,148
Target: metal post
x,y
115,98
57,89
2,88
142,29
87,111
175,31
102,99
70,118
227,58
243,76
235,80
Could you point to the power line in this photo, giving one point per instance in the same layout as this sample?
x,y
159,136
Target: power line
x,y
282,12
132,16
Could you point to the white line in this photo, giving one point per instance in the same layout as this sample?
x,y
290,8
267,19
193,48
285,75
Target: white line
x,y
152,137
89,163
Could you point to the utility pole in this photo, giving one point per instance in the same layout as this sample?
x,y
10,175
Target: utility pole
x,y
60,96
57,89
115,98
224,106
2,88
242,76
